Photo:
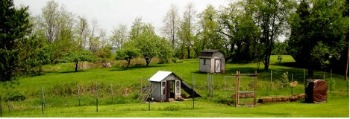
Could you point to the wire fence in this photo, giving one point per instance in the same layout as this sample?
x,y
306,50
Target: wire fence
x,y
73,94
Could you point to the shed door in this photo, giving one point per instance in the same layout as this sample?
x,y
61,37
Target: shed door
x,y
217,66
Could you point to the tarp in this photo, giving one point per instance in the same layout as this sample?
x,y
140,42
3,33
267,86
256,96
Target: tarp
x,y
316,91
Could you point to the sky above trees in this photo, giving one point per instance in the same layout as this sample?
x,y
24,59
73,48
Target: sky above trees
x,y
110,13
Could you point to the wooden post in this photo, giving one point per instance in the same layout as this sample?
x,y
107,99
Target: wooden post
x,y
255,83
8,106
96,97
42,100
193,81
0,106
237,88
141,86
270,80
304,79
112,92
212,85
292,86
330,85
79,95
150,97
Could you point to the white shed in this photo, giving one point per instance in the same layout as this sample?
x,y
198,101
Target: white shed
x,y
167,86
212,61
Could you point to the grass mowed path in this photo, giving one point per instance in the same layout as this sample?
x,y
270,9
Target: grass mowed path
x,y
61,98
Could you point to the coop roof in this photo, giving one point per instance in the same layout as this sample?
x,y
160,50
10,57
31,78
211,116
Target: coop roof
x,y
159,76
208,53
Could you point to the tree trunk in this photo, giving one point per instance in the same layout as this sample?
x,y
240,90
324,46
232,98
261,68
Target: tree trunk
x,y
310,72
76,65
129,60
267,61
148,61
188,53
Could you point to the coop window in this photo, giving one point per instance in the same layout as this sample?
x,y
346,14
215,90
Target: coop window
x,y
163,84
177,86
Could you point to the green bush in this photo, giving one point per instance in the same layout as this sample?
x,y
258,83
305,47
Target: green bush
x,y
14,96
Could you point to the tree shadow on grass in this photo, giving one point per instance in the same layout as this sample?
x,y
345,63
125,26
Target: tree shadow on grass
x,y
289,64
134,68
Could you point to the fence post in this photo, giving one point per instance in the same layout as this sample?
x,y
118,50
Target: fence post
x,y
79,94
0,106
42,100
331,81
271,81
96,97
193,81
150,97
255,85
112,92
8,106
237,88
292,86
304,79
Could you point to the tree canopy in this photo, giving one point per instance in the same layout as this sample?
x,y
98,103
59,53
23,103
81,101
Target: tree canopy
x,y
15,27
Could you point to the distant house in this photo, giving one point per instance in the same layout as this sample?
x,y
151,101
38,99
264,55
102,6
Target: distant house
x,y
212,61
166,86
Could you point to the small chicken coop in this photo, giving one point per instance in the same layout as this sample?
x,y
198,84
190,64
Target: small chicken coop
x,y
166,86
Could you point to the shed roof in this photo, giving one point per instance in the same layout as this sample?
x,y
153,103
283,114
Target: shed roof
x,y
208,53
160,75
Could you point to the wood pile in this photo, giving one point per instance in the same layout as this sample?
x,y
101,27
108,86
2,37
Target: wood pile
x,y
282,98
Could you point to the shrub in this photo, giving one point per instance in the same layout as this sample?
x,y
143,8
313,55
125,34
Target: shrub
x,y
14,96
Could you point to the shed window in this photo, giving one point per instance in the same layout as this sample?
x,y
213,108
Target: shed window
x,y
204,62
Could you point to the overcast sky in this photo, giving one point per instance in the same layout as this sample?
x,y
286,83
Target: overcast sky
x,y
110,13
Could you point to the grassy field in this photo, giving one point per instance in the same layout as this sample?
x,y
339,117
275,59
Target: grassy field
x,y
119,89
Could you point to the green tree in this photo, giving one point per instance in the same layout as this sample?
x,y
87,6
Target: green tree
x,y
33,54
143,37
104,53
78,55
57,25
241,31
127,52
318,34
209,36
187,31
166,52
270,16
14,29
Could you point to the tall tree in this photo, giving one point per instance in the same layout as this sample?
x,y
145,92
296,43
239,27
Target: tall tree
x,y
241,32
187,30
14,28
210,36
143,38
83,32
119,36
270,16
171,25
50,14
319,34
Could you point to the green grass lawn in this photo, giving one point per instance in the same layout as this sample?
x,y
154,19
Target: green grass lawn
x,y
61,97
